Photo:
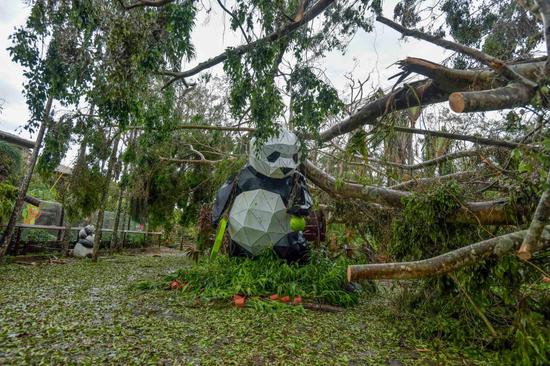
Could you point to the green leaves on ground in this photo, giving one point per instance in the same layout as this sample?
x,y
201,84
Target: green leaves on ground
x,y
321,280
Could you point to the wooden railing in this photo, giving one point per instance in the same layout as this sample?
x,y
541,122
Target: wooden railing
x,y
61,229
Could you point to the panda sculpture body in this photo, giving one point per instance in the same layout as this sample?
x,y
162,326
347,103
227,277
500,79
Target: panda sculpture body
x,y
263,197
85,244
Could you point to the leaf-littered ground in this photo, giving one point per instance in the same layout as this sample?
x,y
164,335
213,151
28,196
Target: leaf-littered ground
x,y
88,313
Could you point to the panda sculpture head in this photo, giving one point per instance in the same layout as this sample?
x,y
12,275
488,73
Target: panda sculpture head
x,y
278,157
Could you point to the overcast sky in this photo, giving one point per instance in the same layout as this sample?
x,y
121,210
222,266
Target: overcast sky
x,y
366,53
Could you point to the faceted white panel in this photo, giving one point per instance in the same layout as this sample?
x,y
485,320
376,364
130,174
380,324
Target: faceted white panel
x,y
286,145
257,220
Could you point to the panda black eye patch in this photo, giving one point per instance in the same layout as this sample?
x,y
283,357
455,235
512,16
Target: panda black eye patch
x,y
273,156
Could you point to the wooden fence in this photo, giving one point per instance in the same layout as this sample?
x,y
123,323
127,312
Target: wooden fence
x,y
16,248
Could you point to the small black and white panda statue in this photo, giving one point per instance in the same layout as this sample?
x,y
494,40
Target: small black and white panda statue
x,y
263,198
85,245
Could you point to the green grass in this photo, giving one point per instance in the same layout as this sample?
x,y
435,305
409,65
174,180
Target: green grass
x,y
89,313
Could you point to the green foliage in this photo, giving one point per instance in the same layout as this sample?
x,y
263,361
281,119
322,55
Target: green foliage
x,y
320,280
312,101
10,161
501,289
131,327
56,143
422,229
8,195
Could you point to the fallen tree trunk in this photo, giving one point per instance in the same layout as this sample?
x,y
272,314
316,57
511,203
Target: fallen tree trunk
x,y
497,212
451,261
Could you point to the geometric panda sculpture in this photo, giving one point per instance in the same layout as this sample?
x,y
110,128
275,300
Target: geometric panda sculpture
x,y
262,198
85,244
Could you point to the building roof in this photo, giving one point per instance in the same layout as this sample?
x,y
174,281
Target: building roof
x,y
16,140
63,169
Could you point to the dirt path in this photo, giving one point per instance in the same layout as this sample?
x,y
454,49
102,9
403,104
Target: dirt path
x,y
87,313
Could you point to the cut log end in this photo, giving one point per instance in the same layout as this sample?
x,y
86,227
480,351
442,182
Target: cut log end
x,y
349,273
524,254
457,103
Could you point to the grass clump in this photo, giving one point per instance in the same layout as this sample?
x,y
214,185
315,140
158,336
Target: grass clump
x,y
322,279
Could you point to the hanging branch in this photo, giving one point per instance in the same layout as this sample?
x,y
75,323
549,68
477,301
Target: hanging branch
x,y
145,3
448,262
313,12
202,127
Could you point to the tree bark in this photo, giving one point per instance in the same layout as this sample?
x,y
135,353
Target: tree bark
x,y
104,196
509,96
24,186
498,212
114,238
451,261
540,219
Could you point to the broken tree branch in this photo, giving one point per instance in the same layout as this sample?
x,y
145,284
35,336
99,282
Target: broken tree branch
x,y
457,136
439,159
509,96
451,261
496,64
540,219
442,83
497,212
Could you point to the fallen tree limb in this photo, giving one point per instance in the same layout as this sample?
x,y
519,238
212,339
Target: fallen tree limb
x,y
421,182
455,136
428,91
540,219
509,96
438,160
451,261
497,212
323,307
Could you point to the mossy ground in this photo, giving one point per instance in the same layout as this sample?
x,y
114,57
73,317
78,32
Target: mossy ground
x,y
88,313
